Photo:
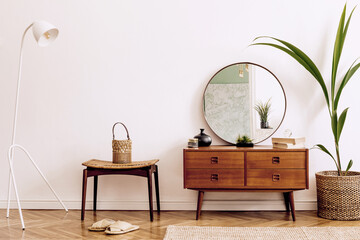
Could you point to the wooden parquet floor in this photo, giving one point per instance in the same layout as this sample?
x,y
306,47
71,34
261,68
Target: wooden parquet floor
x,y
56,224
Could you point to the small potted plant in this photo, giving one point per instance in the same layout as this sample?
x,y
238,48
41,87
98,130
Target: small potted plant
x,y
244,141
263,109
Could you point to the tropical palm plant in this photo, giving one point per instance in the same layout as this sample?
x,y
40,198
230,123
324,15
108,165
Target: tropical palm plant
x,y
332,95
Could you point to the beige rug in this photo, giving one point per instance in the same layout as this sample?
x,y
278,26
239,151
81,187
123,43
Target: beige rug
x,y
278,233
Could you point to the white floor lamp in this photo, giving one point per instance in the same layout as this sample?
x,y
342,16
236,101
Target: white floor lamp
x,y
44,34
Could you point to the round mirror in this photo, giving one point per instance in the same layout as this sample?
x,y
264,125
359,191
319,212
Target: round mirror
x,y
244,99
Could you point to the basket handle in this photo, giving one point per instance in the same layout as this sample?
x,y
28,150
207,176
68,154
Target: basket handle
x,y
127,132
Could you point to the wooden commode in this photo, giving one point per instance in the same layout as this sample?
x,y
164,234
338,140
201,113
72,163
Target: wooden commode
x,y
257,169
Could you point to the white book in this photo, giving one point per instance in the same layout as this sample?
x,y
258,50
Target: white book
x,y
288,145
289,140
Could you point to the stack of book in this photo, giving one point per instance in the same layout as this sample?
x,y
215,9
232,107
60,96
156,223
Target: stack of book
x,y
288,142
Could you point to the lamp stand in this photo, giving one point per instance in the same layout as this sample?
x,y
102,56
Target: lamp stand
x,y
13,146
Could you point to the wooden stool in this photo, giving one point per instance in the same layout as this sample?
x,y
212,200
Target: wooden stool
x,y
94,168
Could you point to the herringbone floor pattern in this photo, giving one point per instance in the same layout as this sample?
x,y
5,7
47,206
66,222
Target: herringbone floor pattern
x,y
56,224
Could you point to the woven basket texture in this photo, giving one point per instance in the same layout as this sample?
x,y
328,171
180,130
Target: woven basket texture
x,y
95,163
121,151
338,196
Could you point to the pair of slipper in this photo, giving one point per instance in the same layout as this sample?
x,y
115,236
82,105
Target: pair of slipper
x,y
112,227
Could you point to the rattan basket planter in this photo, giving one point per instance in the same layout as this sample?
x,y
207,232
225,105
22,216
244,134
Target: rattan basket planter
x,y
338,197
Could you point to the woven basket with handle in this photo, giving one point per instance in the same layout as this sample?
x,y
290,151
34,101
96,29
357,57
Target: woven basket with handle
x,y
121,148
338,196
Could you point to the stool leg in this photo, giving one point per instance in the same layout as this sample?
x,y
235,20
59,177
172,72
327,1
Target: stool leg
x,y
149,175
156,176
83,194
95,192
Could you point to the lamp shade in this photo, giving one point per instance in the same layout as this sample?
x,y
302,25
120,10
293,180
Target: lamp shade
x,y
44,33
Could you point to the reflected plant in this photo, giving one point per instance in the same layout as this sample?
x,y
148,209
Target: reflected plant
x,y
332,95
263,109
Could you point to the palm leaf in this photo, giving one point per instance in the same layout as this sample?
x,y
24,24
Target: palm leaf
x,y
302,58
301,54
341,122
322,148
334,125
345,80
349,166
347,24
339,42
292,54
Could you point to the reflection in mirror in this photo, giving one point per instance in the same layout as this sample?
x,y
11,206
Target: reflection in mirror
x,y
244,99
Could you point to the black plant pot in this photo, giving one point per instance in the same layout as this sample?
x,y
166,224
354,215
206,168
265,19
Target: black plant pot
x,y
244,144
204,139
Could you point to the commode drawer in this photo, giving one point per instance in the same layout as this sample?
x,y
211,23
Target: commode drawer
x,y
214,178
276,160
214,159
276,178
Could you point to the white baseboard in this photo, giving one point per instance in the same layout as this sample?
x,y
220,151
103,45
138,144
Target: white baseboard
x,y
228,205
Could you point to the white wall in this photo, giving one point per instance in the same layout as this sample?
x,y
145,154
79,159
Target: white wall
x,y
146,63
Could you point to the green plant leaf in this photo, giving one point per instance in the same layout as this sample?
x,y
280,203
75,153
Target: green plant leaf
x,y
263,109
345,80
243,139
347,23
292,54
349,166
334,125
299,53
302,58
322,148
341,122
339,42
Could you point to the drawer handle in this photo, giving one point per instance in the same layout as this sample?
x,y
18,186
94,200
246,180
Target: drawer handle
x,y
276,177
214,177
276,160
214,160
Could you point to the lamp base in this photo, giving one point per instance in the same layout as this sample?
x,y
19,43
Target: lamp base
x,y
12,177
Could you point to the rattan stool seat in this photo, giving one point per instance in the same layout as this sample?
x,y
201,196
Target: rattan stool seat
x,y
94,163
